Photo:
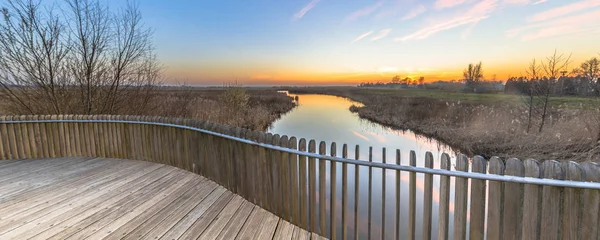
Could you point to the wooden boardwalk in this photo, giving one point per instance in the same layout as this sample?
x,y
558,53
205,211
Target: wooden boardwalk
x,y
93,198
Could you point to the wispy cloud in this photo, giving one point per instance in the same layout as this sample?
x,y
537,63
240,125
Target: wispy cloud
x,y
416,11
364,11
364,35
577,24
564,10
518,2
539,1
441,4
383,33
305,9
478,12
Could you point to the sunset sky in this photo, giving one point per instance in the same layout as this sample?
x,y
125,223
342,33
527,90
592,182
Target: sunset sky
x,y
258,42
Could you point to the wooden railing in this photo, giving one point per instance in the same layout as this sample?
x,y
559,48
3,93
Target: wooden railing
x,y
323,193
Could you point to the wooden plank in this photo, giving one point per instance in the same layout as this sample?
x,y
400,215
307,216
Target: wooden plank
x,y
383,190
304,193
315,236
477,211
427,198
412,197
201,224
269,224
573,202
285,230
68,184
5,153
345,193
48,212
591,197
300,234
285,179
531,202
25,184
162,181
312,188
201,208
495,196
26,168
370,196
236,223
356,192
513,200
444,205
460,199
294,183
156,226
221,221
322,190
152,204
253,224
551,200
332,193
69,214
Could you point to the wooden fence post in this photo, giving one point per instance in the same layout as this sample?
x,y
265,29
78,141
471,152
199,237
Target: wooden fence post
x,y
444,211
427,197
573,202
513,200
551,200
460,199
590,220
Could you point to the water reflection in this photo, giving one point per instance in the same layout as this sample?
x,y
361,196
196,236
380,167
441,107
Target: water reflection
x,y
327,118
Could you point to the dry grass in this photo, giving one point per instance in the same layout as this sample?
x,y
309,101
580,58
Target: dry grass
x,y
488,128
252,108
260,108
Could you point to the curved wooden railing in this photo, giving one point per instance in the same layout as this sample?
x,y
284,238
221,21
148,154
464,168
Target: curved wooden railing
x,y
497,199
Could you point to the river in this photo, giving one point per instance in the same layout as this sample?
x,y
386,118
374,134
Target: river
x,y
327,118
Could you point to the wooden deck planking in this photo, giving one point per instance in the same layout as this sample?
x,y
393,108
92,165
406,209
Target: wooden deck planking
x,y
77,198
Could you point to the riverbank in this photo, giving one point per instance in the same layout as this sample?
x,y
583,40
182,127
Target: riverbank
x,y
251,108
479,124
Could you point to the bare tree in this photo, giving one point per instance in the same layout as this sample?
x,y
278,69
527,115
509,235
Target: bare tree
x,y
533,71
32,59
473,74
552,66
87,60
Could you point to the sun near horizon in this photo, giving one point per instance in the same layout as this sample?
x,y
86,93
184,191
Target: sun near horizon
x,y
335,42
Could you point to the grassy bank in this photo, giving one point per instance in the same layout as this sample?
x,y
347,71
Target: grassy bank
x,y
482,124
252,108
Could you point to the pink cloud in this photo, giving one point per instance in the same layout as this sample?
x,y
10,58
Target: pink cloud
x,y
305,9
564,10
441,4
364,35
416,11
364,11
478,12
518,2
588,22
383,33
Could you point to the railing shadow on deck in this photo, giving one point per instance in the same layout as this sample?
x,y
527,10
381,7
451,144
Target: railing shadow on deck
x,y
493,199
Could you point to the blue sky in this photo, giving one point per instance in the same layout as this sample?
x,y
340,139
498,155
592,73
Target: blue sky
x,y
348,41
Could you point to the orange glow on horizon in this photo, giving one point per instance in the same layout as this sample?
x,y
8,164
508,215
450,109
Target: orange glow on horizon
x,y
217,74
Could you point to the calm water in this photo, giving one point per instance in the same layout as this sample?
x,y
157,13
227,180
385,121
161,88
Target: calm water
x,y
327,118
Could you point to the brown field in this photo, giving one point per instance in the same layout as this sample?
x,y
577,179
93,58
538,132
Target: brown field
x,y
263,106
252,108
482,124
